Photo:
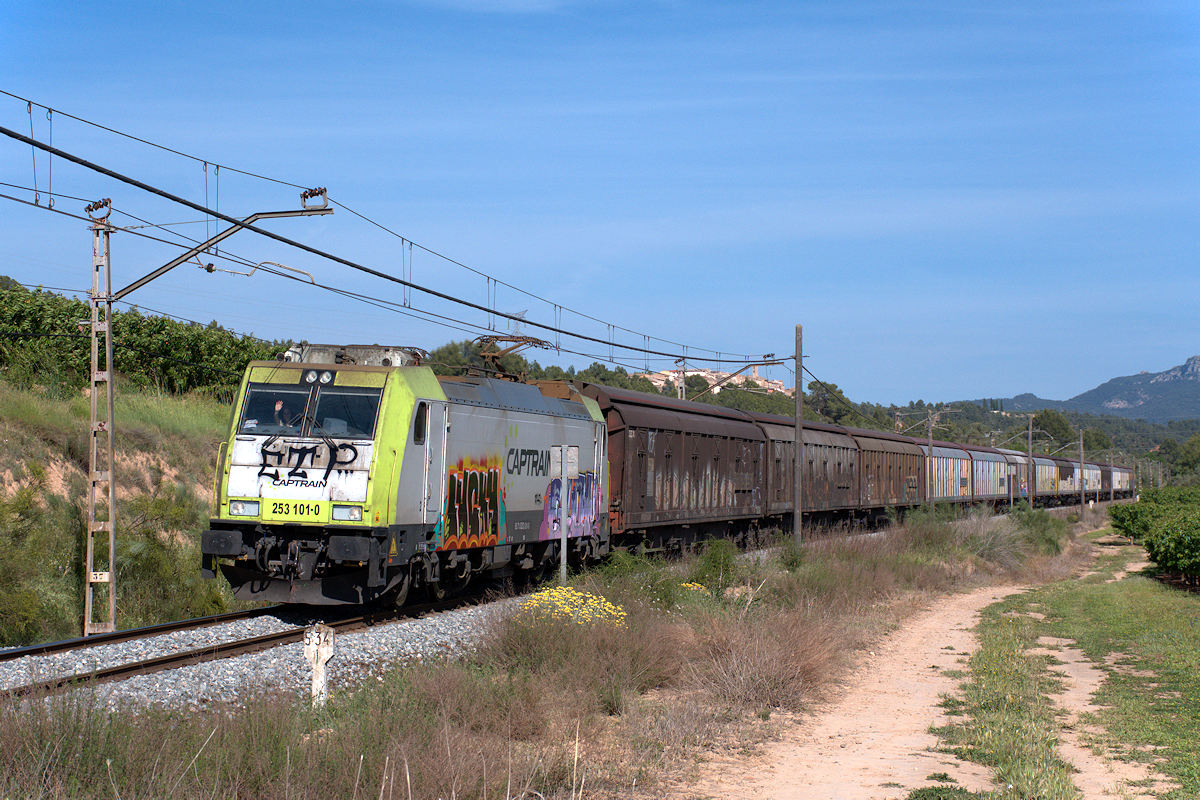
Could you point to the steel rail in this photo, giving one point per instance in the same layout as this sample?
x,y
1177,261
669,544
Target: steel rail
x,y
130,634
216,651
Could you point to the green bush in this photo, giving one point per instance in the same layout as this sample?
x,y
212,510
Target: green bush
x,y
716,566
1167,522
1134,520
1174,544
40,574
43,347
1041,531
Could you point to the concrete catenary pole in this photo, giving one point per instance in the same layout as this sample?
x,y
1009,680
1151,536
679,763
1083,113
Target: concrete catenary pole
x,y
798,450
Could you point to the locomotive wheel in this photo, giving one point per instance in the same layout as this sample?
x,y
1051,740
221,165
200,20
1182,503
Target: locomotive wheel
x,y
435,591
401,595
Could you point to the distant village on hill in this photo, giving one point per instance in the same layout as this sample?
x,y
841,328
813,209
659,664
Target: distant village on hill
x,y
717,379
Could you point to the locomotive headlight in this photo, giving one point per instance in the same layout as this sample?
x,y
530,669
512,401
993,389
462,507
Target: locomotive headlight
x,y
243,508
347,513
310,376
326,376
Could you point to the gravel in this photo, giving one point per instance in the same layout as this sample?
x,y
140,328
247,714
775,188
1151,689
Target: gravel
x,y
358,656
31,669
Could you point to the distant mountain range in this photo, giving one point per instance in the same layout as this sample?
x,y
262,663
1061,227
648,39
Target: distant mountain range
x,y
1153,396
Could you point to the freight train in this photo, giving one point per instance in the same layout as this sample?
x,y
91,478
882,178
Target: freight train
x,y
348,483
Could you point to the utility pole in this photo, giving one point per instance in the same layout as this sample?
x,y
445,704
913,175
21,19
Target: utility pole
x,y
1031,478
929,461
682,377
1081,473
102,505
798,451
1112,482
102,500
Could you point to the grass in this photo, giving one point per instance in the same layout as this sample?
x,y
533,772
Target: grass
x,y
1145,635
182,430
1011,725
166,447
545,703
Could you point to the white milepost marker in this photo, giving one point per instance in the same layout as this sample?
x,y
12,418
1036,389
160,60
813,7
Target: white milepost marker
x,y
318,649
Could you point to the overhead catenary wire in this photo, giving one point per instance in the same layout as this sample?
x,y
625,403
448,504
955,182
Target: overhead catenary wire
x,y
425,315
147,142
409,311
206,162
387,305
837,395
335,258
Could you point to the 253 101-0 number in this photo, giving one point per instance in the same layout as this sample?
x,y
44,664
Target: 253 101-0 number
x,y
296,509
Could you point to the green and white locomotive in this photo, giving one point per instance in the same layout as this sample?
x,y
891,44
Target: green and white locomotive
x,y
346,483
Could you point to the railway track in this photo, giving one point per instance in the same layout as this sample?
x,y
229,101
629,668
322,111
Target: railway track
x,y
213,652
116,637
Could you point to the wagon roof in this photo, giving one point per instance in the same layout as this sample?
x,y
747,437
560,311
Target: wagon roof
x,y
784,428
867,440
946,450
640,409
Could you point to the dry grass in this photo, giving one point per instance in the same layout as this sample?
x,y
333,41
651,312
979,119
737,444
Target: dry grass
x,y
777,662
547,705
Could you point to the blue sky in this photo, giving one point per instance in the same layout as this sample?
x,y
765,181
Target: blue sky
x,y
956,200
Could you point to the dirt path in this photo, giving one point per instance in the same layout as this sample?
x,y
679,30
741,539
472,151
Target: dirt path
x,y
872,741
1096,775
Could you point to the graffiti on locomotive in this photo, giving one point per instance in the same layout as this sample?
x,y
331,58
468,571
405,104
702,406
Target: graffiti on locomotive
x,y
474,512
582,506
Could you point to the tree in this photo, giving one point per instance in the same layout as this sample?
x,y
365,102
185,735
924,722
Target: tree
x,y
1055,424
1096,439
694,385
1189,454
828,401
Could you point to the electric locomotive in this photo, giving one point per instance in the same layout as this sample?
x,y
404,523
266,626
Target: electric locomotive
x,y
348,483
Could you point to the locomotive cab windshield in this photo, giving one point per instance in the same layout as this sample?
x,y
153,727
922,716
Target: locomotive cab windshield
x,y
321,411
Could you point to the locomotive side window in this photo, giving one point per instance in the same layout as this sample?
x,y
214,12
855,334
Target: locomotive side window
x,y
420,423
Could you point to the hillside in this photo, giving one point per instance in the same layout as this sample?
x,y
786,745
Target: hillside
x,y
166,451
1161,397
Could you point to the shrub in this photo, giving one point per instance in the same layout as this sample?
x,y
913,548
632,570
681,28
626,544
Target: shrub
x,y
716,567
1174,544
791,555
1041,530
930,527
1133,520
192,356
772,662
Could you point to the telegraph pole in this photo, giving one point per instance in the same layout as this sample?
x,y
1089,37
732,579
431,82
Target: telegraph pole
x,y
102,501
929,461
1081,473
798,451
1031,478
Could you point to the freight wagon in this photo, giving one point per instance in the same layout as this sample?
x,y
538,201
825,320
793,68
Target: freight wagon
x,y
344,483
